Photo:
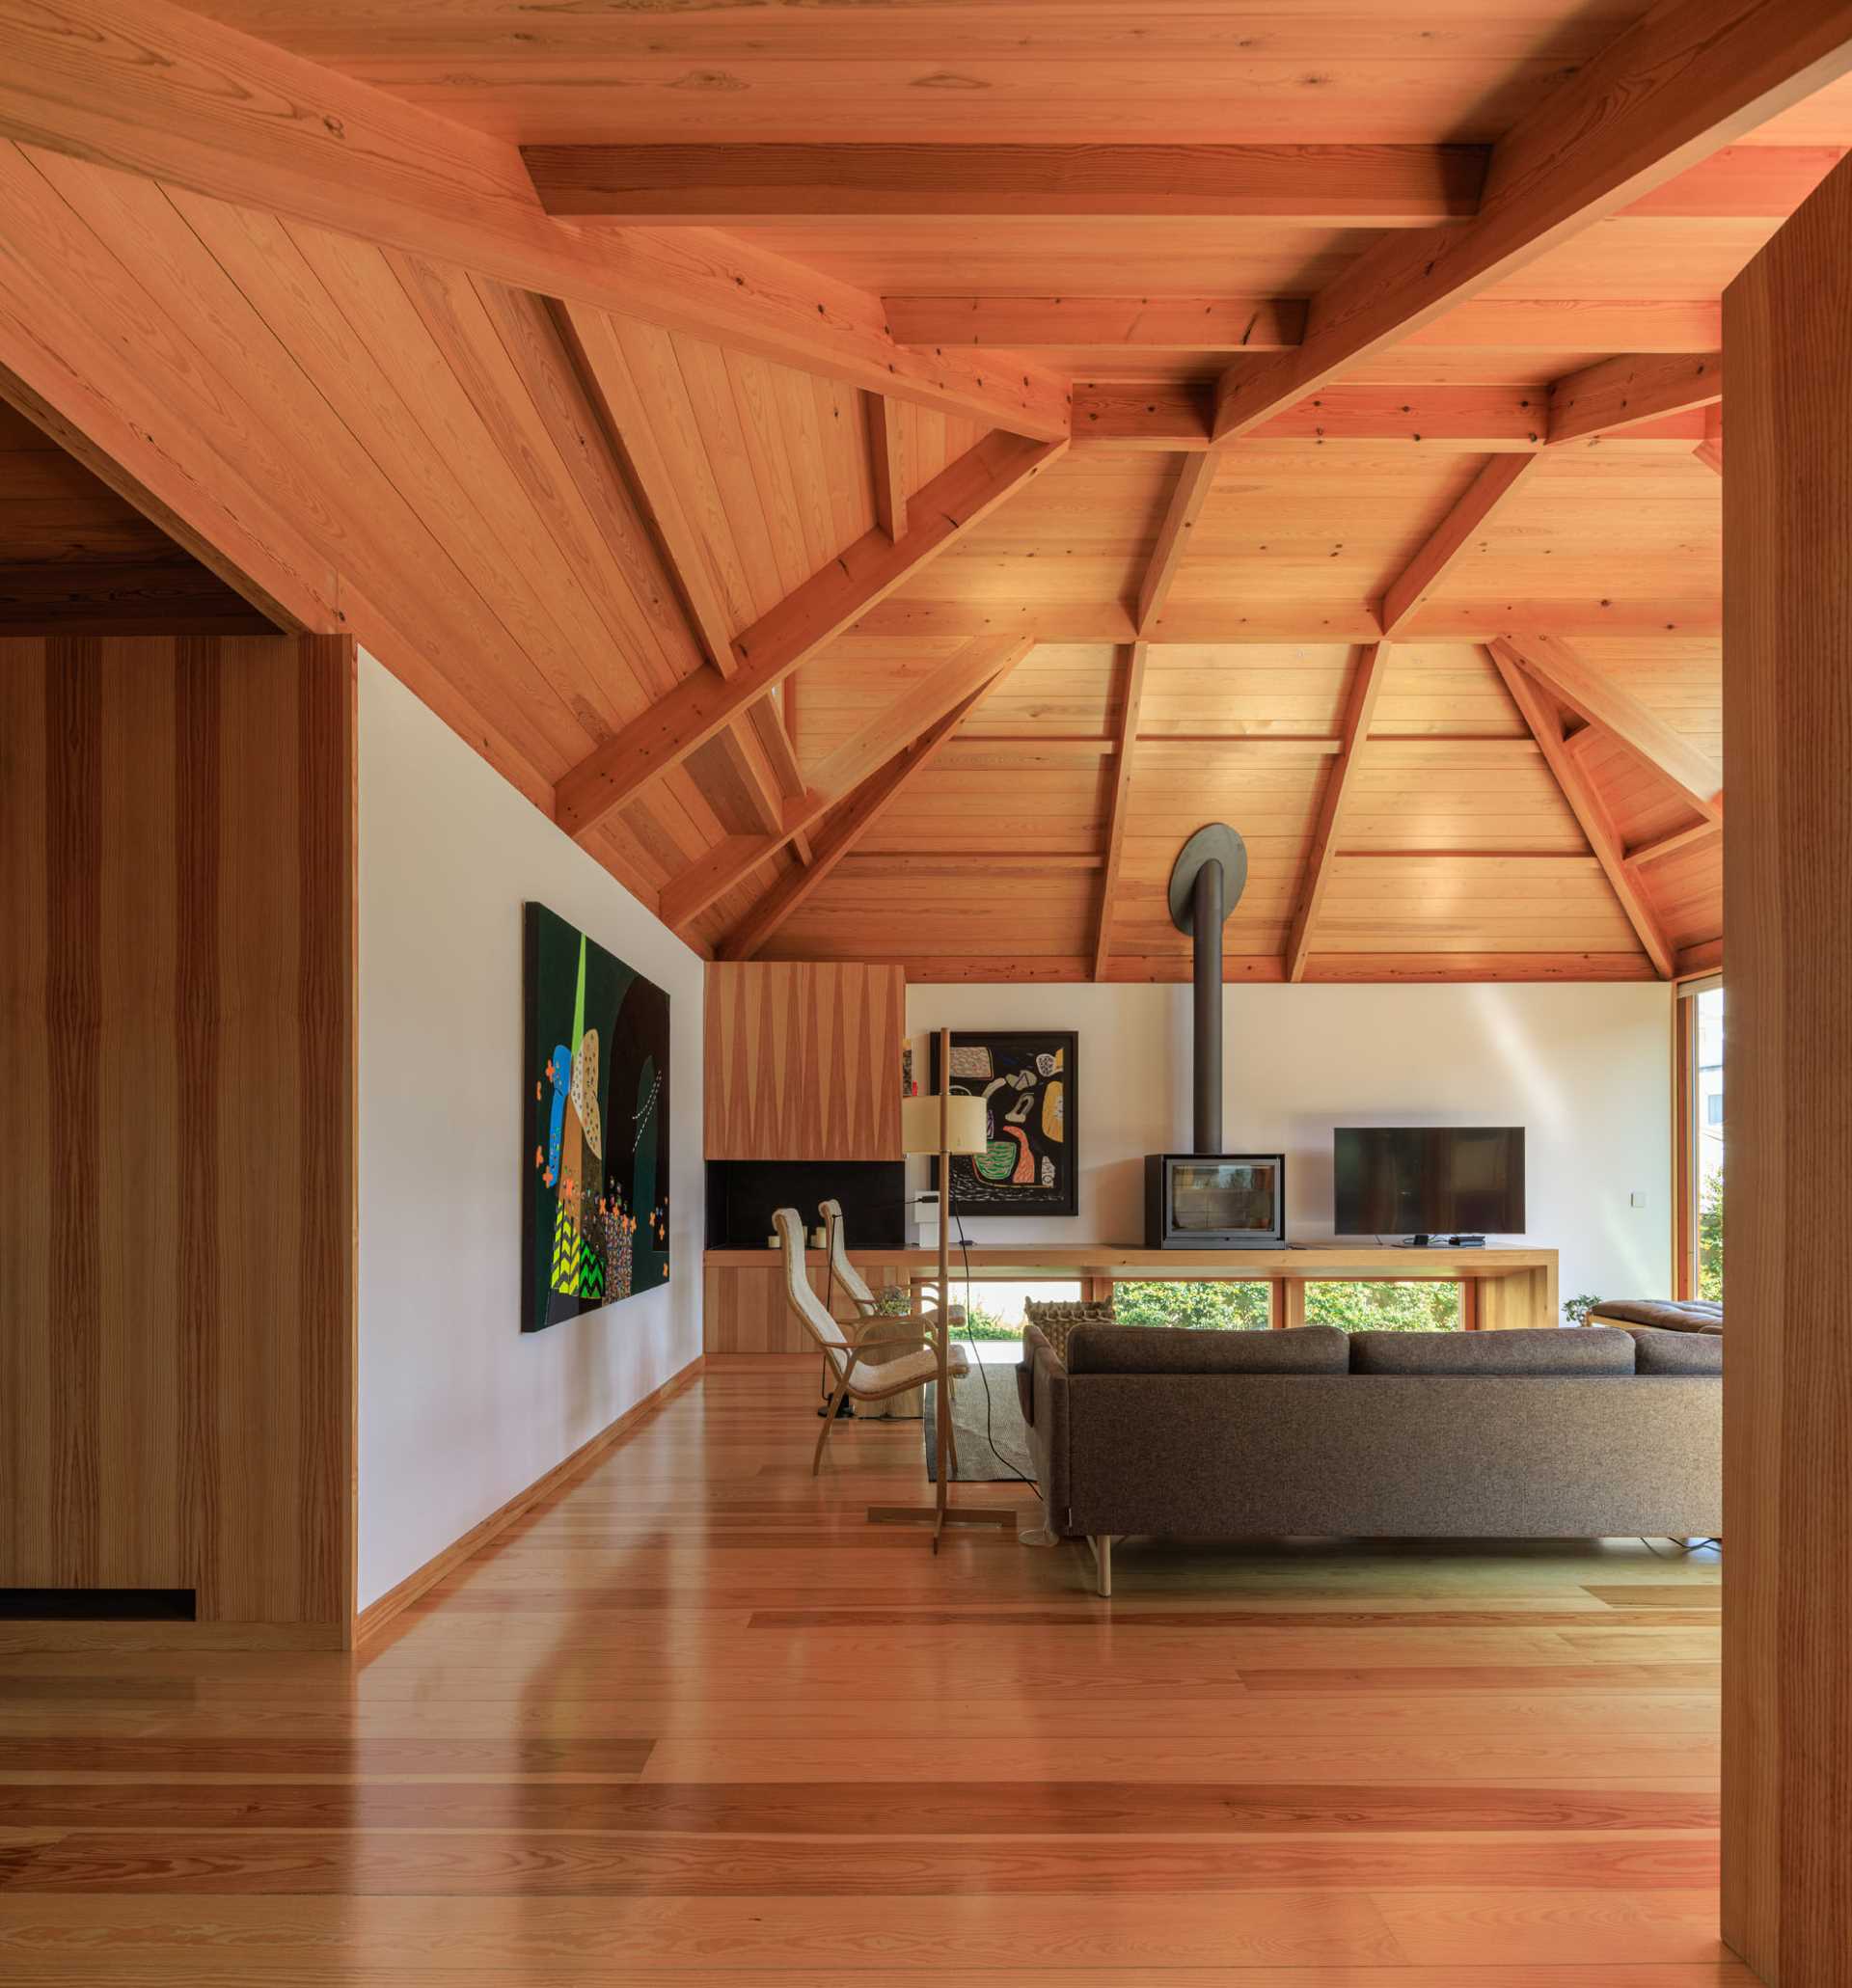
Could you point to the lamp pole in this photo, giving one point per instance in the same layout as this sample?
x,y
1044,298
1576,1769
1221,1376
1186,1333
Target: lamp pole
x,y
940,1512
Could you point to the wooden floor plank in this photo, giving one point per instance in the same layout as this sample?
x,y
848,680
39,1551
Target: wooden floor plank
x,y
694,1720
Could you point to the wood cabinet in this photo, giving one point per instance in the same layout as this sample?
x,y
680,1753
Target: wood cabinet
x,y
804,1061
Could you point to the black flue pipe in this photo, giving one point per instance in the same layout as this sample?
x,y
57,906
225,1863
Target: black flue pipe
x,y
1208,912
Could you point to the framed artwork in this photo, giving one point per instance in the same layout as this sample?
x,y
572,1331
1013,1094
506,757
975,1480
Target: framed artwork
x,y
1027,1079
594,1196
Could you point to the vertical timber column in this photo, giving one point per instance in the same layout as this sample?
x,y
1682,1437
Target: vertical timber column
x,y
1788,882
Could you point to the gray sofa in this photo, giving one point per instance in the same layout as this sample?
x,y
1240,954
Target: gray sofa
x,y
1314,1432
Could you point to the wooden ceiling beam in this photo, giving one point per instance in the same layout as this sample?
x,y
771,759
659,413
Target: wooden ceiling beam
x,y
1132,696
597,356
888,463
767,720
846,826
1348,968
1677,840
152,89
726,185
1619,394
1359,712
780,641
974,667
1416,583
1232,622
1191,323
1195,477
1600,702
1711,450
1675,88
1587,805
1376,186
1174,417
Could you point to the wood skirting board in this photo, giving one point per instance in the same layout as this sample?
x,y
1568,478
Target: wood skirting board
x,y
375,1616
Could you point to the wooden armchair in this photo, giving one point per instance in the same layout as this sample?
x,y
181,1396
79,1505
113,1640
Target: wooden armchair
x,y
871,1358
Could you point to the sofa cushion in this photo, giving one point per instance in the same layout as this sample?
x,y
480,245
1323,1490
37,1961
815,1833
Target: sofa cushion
x,y
1693,1314
1176,1349
1543,1352
1675,1353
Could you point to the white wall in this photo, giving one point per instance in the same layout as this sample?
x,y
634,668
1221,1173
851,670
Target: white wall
x,y
1585,1069
459,1410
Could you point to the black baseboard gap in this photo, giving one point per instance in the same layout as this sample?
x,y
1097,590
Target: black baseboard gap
x,y
98,1605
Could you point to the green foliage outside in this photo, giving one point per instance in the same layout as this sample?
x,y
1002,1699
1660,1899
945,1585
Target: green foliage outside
x,y
981,1322
1201,1306
1384,1307
1710,1237
1212,1307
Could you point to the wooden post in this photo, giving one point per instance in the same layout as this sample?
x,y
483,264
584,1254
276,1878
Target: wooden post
x,y
1788,1433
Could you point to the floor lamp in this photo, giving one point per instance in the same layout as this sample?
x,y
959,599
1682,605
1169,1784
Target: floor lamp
x,y
942,1126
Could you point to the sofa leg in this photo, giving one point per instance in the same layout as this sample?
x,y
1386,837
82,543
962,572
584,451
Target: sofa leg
x,y
1102,1544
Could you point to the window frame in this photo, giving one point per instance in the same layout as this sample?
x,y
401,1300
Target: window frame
x,y
1687,1182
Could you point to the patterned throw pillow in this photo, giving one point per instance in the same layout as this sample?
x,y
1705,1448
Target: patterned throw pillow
x,y
1055,1319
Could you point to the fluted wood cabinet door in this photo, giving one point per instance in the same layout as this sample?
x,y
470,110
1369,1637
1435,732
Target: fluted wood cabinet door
x,y
804,1061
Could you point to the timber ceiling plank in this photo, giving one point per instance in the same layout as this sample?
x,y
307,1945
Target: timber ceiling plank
x,y
152,89
1094,231
1672,89
779,642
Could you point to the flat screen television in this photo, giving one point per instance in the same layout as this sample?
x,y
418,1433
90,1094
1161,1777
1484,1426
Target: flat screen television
x,y
1429,1179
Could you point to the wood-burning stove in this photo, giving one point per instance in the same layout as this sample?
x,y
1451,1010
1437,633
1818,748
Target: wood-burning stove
x,y
1210,1199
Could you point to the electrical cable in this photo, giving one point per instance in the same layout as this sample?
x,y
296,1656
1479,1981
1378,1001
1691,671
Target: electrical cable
x,y
970,1338
977,1359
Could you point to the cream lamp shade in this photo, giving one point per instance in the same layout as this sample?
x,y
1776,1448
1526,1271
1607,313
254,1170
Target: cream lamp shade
x,y
969,1118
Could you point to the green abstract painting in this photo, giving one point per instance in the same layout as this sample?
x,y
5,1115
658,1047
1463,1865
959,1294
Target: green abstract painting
x,y
595,1159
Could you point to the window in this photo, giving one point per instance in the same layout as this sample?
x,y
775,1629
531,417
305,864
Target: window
x,y
1193,1301
1385,1307
994,1304
1699,1186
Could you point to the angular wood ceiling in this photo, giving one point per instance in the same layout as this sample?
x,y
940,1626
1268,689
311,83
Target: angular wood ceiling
x,y
882,477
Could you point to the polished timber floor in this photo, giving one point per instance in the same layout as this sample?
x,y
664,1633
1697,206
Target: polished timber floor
x,y
697,1721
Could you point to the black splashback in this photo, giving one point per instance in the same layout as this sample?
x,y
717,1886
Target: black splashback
x,y
741,1194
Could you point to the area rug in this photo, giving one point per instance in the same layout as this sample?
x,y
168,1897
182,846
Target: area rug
x,y
993,1445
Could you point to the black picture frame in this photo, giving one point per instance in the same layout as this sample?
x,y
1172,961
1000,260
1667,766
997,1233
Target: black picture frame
x,y
977,1194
